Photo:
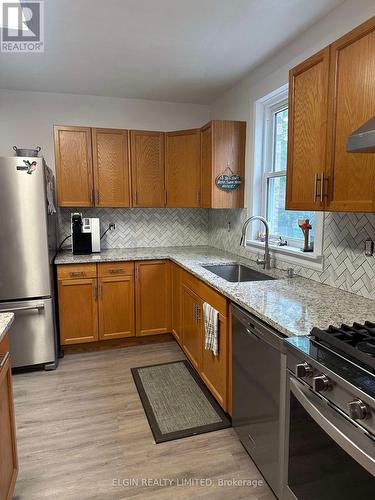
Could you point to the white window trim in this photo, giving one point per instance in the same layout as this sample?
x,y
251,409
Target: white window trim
x,y
264,107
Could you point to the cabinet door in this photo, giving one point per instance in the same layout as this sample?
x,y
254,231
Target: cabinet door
x,y
8,445
191,326
228,152
153,303
214,371
147,166
206,164
176,302
111,167
352,103
307,133
78,311
183,169
116,307
73,161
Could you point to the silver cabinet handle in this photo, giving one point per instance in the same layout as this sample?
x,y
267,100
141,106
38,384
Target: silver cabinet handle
x,y
322,187
315,187
116,270
38,307
3,359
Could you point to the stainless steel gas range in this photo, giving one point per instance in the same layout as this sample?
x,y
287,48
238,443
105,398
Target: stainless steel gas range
x,y
330,424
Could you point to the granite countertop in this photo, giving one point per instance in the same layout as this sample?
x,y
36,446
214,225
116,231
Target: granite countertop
x,y
6,319
291,305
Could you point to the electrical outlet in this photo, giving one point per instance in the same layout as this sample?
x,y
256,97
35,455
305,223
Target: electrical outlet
x,y
112,226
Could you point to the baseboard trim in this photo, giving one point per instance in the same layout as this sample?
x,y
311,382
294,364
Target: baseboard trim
x,y
102,345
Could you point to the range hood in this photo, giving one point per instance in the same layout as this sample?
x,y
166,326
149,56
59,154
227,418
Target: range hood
x,y
362,140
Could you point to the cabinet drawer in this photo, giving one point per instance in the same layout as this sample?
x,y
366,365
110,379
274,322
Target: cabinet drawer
x,y
116,269
76,271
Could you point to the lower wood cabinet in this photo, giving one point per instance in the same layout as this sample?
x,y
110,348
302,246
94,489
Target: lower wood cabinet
x,y
78,310
8,446
153,297
176,301
191,320
116,307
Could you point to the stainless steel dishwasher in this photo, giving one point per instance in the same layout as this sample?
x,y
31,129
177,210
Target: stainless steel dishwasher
x,y
259,393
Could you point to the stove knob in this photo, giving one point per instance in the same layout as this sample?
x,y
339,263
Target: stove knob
x,y
303,370
358,410
321,383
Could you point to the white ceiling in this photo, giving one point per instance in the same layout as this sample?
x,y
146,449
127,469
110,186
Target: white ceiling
x,y
170,50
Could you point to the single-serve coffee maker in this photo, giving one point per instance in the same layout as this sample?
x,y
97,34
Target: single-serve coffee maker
x,y
85,234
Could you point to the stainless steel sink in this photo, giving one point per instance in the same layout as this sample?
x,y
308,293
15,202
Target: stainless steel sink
x,y
237,272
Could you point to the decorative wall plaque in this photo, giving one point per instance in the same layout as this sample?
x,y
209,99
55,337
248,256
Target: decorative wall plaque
x,y
229,182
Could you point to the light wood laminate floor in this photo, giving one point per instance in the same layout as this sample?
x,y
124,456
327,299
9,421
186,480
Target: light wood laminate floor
x,y
82,428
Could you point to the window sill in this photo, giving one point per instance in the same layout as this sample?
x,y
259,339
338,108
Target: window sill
x,y
312,260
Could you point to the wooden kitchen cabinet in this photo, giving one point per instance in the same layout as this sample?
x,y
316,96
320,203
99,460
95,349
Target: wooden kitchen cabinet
x,y
78,310
191,324
330,96
111,167
147,167
116,307
351,185
153,297
8,443
176,301
307,133
214,369
183,168
222,151
73,161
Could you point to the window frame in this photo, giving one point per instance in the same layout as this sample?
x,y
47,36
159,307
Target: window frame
x,y
265,109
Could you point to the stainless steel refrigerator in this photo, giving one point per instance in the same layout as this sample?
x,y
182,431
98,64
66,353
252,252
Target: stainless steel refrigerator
x,y
27,250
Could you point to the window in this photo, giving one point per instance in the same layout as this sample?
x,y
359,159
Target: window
x,y
271,144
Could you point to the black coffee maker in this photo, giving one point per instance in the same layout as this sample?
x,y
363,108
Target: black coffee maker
x,y
81,242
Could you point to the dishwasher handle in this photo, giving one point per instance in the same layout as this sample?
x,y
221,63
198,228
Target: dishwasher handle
x,y
258,330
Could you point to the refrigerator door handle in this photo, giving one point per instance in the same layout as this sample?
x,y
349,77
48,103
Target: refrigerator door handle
x,y
38,307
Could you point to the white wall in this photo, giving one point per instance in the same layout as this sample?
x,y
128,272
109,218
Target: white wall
x,y
26,118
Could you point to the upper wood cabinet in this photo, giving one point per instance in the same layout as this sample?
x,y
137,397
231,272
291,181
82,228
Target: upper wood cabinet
x,y
330,96
116,168
73,166
183,168
111,167
222,151
153,297
351,185
307,133
147,168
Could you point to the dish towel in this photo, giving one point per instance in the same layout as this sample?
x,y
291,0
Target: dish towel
x,y
211,328
49,190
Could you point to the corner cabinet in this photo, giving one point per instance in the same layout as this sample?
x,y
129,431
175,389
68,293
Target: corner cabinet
x,y
153,297
330,96
222,151
183,169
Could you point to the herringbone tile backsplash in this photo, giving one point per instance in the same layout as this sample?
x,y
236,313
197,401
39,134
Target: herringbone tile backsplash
x,y
344,264
145,227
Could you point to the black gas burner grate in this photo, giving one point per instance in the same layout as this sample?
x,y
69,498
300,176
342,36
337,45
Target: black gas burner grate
x,y
358,341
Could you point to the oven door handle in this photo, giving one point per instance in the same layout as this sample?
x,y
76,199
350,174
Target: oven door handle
x,y
358,454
